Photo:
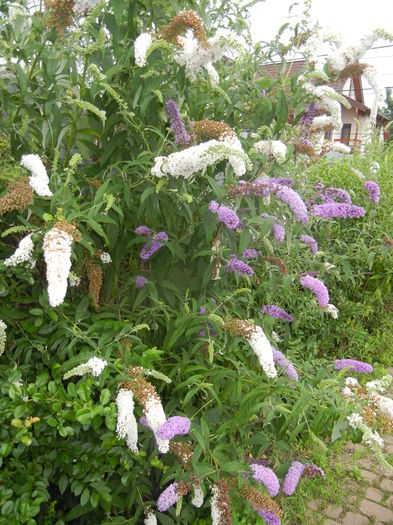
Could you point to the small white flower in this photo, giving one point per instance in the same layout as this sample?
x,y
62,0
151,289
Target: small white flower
x,y
276,148
127,427
23,253
385,405
371,438
74,280
276,338
105,258
355,421
39,179
347,392
215,506
141,46
351,381
379,386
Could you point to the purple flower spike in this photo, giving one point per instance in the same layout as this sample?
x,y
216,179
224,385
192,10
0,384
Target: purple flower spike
x,y
292,478
267,478
277,312
373,190
143,230
202,310
228,217
249,253
284,363
238,266
174,426
269,517
294,202
333,210
317,287
311,242
278,232
356,366
149,249
336,194
213,206
168,497
177,126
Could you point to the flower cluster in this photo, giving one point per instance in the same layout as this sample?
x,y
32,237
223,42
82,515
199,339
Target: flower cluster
x,y
220,504
196,158
150,519
174,426
57,254
294,201
250,253
274,148
292,478
352,364
95,365
317,287
311,242
127,427
177,126
267,478
284,363
373,190
168,497
277,312
238,266
39,179
3,336
332,210
153,244
278,232
23,254
105,258
141,47
198,497
225,215
140,281
18,196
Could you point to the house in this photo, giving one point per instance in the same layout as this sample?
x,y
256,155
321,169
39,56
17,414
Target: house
x,y
354,119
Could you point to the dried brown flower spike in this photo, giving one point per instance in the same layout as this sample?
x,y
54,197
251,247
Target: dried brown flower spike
x,y
18,197
180,24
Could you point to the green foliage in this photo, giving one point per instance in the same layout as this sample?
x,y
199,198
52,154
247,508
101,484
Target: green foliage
x,y
98,122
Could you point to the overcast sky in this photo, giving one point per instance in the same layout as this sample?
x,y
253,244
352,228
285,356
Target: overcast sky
x,y
351,18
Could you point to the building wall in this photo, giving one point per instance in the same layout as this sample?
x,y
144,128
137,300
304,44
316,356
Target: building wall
x,y
348,116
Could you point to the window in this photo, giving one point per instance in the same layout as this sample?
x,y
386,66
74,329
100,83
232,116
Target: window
x,y
346,133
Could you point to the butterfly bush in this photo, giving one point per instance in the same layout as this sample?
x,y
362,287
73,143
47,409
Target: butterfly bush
x,y
141,47
127,427
294,202
311,242
177,125
238,266
57,255
23,254
38,180
353,364
95,366
275,148
174,426
373,190
225,215
317,287
284,363
333,210
140,281
277,312
263,350
3,336
198,496
150,519
168,497
292,478
267,478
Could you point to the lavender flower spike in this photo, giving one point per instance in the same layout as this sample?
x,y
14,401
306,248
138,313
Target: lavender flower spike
x,y
311,242
317,287
250,253
373,190
278,232
174,426
269,517
280,360
168,497
267,478
177,126
143,230
238,266
277,312
352,364
292,478
294,201
333,210
148,250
